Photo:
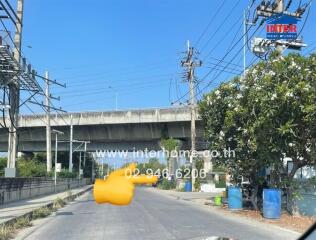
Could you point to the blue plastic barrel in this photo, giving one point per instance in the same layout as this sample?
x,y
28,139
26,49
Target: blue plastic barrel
x,y
188,186
271,203
234,198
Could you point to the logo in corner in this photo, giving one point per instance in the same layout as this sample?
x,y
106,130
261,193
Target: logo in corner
x,y
281,26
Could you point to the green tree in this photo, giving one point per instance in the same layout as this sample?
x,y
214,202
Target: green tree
x,y
265,117
31,168
3,165
171,146
153,166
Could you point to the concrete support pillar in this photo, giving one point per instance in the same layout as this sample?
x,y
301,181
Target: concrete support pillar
x,y
208,166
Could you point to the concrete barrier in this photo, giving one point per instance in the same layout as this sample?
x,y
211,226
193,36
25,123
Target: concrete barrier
x,y
15,189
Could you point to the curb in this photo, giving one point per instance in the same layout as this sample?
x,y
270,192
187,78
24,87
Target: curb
x,y
50,204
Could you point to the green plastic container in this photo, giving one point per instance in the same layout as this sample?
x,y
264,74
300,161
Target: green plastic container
x,y
218,201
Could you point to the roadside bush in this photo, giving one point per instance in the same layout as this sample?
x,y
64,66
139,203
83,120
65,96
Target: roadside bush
x,y
22,222
31,168
165,184
66,174
197,184
58,203
3,165
5,232
41,212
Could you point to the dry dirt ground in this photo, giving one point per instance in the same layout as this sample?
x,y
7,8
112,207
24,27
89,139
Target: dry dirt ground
x,y
296,223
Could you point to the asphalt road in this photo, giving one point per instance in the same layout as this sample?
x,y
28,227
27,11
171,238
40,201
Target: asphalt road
x,y
151,216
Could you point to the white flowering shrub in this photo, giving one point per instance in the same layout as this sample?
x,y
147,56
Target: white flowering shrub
x,y
266,116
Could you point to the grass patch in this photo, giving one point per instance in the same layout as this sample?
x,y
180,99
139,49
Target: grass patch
x,y
22,222
58,203
41,212
6,232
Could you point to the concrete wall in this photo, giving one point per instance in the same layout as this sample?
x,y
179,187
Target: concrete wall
x,y
15,189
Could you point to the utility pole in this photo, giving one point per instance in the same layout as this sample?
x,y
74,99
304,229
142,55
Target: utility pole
x,y
190,64
14,90
84,154
92,170
280,4
79,165
84,158
70,147
48,128
116,101
56,155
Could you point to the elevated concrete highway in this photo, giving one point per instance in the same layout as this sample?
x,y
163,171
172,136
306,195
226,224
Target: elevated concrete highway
x,y
113,130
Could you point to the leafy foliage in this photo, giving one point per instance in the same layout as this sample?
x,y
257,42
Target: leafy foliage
x,y
153,164
165,184
31,168
170,145
265,117
3,165
66,174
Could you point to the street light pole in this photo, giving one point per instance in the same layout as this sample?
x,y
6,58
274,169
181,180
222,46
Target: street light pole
x,y
56,152
116,103
116,98
79,165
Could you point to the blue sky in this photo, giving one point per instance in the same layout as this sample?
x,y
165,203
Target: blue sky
x,y
131,49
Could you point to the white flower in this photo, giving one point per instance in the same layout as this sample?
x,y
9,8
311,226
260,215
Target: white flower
x,y
271,73
291,144
239,96
209,100
274,96
217,92
293,65
221,133
307,88
289,94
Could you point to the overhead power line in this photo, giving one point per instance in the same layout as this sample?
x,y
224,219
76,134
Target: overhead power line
x,y
222,59
210,23
221,24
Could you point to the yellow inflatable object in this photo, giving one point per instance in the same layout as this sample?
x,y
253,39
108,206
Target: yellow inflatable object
x,y
143,179
118,188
